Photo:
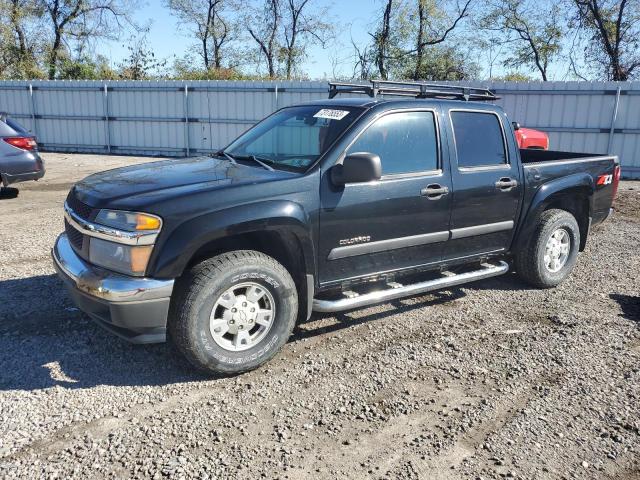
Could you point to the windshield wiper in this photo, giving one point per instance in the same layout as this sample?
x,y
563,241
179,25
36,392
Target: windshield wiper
x,y
255,158
222,153
261,162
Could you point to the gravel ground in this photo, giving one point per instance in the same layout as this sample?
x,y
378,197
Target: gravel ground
x,y
487,381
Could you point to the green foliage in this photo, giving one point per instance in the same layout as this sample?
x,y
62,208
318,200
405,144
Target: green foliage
x,y
141,63
534,34
408,41
612,32
186,69
86,69
442,63
513,77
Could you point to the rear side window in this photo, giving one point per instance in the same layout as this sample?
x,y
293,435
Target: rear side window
x,y
479,140
406,142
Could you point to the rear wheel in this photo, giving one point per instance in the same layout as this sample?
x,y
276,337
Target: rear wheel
x,y
552,251
233,312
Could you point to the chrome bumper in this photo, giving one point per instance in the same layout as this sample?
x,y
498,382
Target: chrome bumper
x,y
134,308
105,284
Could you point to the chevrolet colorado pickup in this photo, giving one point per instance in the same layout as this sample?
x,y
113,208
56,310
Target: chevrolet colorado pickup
x,y
330,205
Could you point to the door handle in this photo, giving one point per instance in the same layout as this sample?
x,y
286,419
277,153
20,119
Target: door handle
x,y
434,191
505,184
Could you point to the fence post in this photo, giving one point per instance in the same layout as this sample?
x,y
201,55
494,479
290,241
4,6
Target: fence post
x,y
33,111
186,119
614,116
107,130
276,92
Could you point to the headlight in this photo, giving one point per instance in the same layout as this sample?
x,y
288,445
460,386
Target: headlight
x,y
127,259
130,258
128,221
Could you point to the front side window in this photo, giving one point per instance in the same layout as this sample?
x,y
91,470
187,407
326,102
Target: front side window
x,y
406,142
479,139
294,138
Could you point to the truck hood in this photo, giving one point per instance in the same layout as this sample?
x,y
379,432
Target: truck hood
x,y
168,177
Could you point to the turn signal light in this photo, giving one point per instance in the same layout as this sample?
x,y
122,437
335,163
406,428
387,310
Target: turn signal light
x,y
147,222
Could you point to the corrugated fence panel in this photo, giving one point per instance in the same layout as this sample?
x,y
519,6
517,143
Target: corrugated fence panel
x,y
180,118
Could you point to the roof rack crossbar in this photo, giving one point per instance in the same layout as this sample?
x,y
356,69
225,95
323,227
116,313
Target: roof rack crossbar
x,y
413,89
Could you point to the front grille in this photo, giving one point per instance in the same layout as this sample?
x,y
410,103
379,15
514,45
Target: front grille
x,y
75,237
81,209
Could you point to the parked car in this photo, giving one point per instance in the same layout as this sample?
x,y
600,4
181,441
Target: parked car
x,y
19,157
328,206
530,138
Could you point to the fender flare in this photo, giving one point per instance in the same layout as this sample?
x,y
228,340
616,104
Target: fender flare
x,y
174,253
576,183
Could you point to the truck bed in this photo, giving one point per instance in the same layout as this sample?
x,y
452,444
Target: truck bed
x,y
548,167
528,155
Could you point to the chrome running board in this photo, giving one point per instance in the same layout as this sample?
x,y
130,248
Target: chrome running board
x,y
398,291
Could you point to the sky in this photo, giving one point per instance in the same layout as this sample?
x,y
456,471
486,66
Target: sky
x,y
166,38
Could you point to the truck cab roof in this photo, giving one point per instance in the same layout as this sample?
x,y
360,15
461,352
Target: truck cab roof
x,y
390,103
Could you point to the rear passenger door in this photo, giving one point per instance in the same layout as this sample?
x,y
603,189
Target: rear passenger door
x,y
486,183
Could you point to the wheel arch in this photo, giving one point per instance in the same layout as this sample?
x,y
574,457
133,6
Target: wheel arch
x,y
280,229
573,193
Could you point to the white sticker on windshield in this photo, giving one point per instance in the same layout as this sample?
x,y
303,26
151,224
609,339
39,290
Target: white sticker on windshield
x,y
331,114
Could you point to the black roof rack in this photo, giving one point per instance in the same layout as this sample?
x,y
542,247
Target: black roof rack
x,y
413,89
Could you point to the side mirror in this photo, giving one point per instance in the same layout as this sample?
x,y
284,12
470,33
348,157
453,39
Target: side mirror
x,y
516,126
358,167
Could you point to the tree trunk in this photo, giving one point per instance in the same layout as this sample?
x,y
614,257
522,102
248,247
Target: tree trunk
x,y
15,22
419,41
205,53
383,41
53,56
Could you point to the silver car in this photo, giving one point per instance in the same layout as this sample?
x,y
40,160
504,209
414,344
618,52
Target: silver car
x,y
19,158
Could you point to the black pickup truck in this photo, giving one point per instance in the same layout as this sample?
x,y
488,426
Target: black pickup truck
x,y
332,205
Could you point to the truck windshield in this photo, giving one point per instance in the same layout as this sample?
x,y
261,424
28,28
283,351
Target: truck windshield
x,y
293,138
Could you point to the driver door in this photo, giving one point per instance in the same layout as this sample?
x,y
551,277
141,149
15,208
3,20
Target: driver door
x,y
398,221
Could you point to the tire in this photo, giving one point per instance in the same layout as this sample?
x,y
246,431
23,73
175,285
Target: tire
x,y
531,264
207,297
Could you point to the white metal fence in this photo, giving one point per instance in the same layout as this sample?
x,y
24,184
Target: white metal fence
x,y
187,118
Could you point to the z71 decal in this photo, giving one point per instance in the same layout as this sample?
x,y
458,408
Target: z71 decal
x,y
604,180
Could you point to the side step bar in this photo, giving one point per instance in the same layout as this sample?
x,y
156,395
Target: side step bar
x,y
395,291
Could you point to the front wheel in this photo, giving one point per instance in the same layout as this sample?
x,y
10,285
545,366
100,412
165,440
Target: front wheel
x,y
233,312
552,252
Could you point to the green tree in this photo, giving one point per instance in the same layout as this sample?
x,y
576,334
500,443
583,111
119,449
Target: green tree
x,y
214,26
283,30
405,38
85,68
513,77
263,24
81,20
141,63
613,31
435,24
21,39
186,69
441,63
534,33
302,23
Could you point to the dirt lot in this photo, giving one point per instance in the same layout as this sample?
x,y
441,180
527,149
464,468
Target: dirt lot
x,y
487,381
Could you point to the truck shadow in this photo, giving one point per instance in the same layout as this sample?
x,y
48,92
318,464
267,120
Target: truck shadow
x,y
629,305
509,282
7,193
45,341
316,325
